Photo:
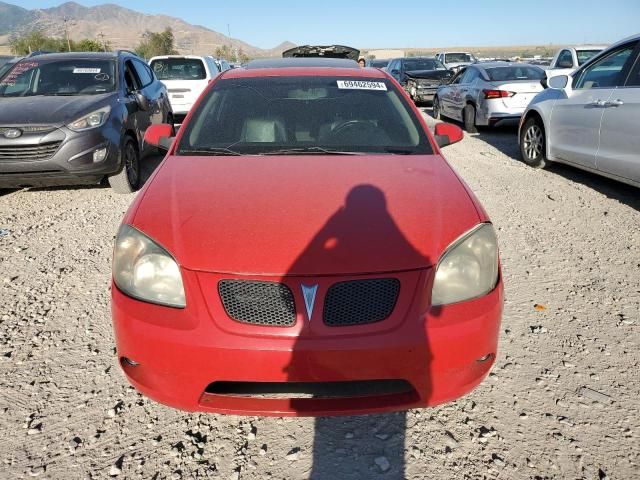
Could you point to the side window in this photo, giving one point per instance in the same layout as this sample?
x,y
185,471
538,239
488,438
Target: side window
x,y
144,73
130,78
392,66
565,60
606,72
634,78
469,75
458,78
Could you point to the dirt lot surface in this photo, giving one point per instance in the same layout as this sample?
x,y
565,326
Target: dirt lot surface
x,y
561,402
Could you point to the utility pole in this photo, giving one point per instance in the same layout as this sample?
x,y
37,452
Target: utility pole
x,y
66,32
101,37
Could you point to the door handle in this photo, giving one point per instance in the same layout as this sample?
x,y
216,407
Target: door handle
x,y
615,103
598,103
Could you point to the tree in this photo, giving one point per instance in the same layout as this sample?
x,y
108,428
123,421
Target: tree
x,y
224,51
88,45
154,44
36,40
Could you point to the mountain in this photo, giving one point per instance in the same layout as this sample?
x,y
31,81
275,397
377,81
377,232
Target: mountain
x,y
122,27
11,15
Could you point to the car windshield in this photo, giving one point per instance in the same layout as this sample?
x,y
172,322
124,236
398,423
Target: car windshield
x,y
179,69
459,58
511,73
303,115
69,77
584,55
423,64
378,63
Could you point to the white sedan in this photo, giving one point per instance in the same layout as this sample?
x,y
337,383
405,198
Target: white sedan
x,y
591,118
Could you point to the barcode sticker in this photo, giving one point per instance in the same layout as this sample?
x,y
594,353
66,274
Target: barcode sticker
x,y
361,85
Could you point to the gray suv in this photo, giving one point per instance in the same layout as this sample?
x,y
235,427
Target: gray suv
x,y
76,118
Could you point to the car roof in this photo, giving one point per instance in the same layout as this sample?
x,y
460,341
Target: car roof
x,y
297,62
83,55
485,65
199,57
300,67
586,47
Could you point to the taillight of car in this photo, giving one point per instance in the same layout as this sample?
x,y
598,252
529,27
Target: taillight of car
x,y
489,94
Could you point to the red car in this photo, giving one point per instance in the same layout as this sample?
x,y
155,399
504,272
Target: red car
x,y
304,249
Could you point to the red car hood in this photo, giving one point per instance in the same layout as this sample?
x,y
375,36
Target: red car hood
x,y
305,215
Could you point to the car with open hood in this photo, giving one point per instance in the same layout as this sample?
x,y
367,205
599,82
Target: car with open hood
x,y
323,51
305,249
77,118
420,76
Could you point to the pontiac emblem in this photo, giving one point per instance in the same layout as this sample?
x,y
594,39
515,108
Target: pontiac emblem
x,y
309,294
12,133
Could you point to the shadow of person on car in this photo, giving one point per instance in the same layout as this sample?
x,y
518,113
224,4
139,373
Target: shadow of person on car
x,y
363,345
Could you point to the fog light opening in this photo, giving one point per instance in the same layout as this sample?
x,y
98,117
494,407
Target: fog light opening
x,y
488,356
99,155
129,362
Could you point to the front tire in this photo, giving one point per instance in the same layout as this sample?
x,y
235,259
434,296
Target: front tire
x,y
469,118
532,144
435,109
128,179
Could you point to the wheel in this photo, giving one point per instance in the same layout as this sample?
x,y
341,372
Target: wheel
x,y
435,108
532,144
128,178
469,117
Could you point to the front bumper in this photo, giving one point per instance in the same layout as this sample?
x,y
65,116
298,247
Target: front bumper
x,y
72,162
174,355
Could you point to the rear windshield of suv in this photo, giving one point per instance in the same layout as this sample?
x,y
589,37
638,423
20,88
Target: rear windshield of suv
x,y
57,77
179,69
584,55
423,64
299,115
459,58
502,74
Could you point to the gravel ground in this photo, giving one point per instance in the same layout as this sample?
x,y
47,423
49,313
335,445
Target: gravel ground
x,y
561,401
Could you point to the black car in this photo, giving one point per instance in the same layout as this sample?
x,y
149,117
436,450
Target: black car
x,y
76,118
420,76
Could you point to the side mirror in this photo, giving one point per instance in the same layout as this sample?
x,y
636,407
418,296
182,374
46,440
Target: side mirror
x,y
559,82
448,134
565,64
159,135
544,82
141,100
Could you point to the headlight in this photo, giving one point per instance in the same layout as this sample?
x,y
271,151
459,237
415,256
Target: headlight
x,y
92,120
144,270
469,267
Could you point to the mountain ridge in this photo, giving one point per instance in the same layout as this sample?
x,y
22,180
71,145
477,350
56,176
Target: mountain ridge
x,y
122,27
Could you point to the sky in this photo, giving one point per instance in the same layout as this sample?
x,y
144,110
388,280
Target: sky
x,y
398,24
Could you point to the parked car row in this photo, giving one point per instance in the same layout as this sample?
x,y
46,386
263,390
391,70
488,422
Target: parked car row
x,y
78,118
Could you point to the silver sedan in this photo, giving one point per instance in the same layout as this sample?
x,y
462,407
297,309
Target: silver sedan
x,y
590,119
489,94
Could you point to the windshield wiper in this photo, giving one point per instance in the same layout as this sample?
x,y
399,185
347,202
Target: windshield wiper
x,y
303,150
209,151
399,151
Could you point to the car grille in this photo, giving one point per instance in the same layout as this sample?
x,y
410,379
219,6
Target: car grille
x,y
258,303
28,153
360,302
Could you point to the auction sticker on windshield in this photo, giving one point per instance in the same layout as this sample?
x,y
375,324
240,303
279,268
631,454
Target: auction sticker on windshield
x,y
361,85
86,70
